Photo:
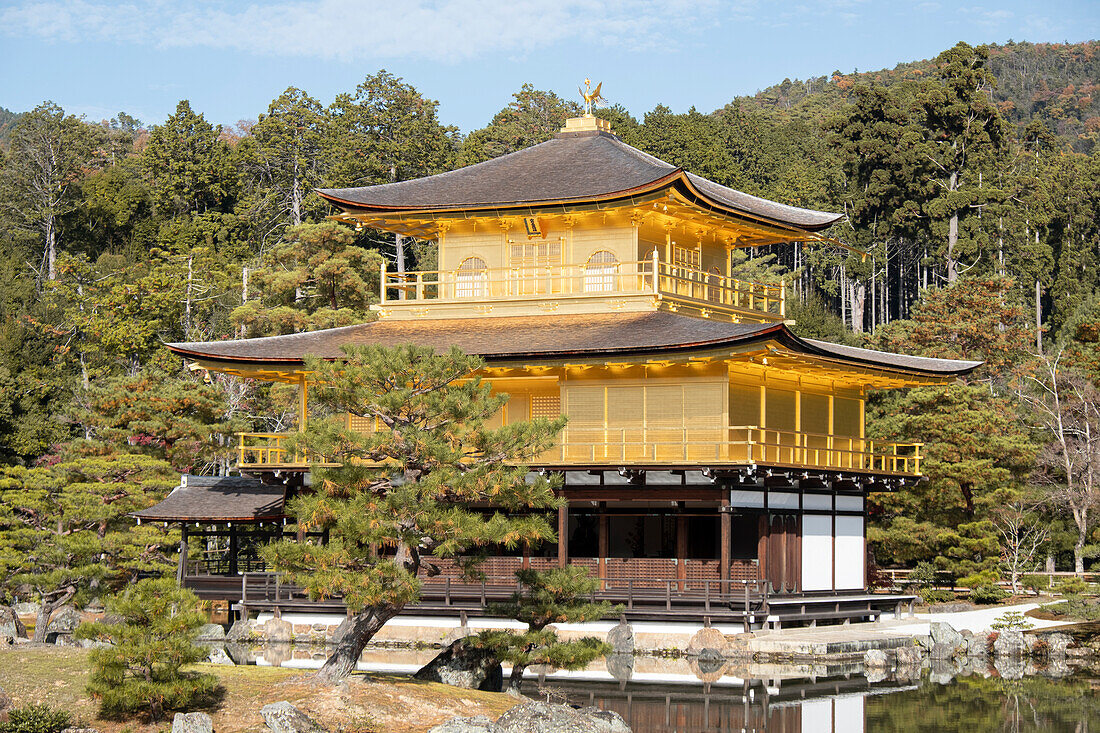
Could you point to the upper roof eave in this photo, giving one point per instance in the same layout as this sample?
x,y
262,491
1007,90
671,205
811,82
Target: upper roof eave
x,y
678,178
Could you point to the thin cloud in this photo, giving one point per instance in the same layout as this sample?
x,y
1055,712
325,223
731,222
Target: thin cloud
x,y
353,30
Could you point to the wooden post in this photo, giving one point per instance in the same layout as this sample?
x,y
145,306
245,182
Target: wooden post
x,y
604,542
681,550
724,540
382,282
181,570
563,538
303,397
234,548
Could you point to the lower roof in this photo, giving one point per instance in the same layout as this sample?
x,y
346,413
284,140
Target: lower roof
x,y
553,336
218,498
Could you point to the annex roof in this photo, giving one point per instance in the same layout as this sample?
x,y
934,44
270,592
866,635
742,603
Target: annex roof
x,y
218,498
573,167
553,336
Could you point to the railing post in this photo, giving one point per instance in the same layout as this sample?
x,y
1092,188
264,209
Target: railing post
x,y
668,595
783,297
382,282
656,271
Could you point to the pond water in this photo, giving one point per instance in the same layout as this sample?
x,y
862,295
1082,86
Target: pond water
x,y
679,695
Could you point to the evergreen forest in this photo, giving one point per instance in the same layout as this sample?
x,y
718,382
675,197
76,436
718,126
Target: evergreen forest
x,y
972,182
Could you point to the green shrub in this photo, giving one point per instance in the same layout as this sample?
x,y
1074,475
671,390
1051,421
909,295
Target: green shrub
x,y
1036,583
922,576
36,719
141,672
1071,586
986,594
934,595
1011,620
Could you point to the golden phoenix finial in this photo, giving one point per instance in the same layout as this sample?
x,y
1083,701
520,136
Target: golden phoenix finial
x,y
591,97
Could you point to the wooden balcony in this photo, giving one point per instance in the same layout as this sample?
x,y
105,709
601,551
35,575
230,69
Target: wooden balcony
x,y
678,447
677,285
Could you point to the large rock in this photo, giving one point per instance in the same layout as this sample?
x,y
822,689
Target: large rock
x,y
282,717
10,625
621,638
466,666
241,630
875,659
211,632
941,650
278,631
476,724
1010,643
908,656
64,621
192,723
707,640
1057,643
542,717
944,633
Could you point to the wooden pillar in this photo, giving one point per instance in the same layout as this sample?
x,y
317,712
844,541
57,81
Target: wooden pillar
x,y
526,562
681,550
604,542
724,540
234,547
181,569
762,547
563,535
303,394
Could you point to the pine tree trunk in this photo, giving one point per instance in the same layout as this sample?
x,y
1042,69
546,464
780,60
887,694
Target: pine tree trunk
x,y
515,679
1038,317
347,651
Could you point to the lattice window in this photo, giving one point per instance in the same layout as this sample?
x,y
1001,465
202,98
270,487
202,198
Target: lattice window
x,y
600,271
361,424
684,257
536,254
470,278
546,406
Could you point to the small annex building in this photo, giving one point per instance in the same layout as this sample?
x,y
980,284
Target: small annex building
x,y
714,462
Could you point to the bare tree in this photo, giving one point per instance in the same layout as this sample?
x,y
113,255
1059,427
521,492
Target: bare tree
x,y
1022,537
1066,407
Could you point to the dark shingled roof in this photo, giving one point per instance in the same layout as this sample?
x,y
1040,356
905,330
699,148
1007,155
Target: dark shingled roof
x,y
221,498
510,338
572,167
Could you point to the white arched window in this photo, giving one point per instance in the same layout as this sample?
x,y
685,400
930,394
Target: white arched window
x,y
600,271
470,278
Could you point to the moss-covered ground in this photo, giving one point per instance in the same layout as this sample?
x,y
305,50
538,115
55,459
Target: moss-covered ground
x,y
57,676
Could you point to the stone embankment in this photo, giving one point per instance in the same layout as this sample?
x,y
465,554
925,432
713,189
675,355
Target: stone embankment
x,y
949,652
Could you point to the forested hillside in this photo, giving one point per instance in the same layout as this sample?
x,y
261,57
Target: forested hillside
x,y
977,205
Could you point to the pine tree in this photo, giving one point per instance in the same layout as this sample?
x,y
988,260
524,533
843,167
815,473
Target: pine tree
x,y
187,165
141,669
64,529
547,597
405,493
533,116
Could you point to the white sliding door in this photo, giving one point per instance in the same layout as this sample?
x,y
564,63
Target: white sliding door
x,y
817,552
850,553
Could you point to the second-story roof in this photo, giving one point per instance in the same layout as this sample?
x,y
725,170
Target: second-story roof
x,y
573,167
555,336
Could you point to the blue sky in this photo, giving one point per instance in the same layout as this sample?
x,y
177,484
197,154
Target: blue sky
x,y
232,58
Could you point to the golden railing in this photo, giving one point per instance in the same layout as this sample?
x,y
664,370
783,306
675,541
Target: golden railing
x,y
735,445
270,450
678,282
745,444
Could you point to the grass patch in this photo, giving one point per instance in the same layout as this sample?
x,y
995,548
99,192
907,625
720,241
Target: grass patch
x,y
57,676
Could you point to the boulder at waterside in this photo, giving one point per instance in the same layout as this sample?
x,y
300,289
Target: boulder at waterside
x,y
476,724
542,717
463,665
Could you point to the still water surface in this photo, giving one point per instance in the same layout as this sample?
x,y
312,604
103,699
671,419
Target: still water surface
x,y
658,695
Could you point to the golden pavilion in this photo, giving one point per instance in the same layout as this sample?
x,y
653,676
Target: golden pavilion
x,y
713,462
